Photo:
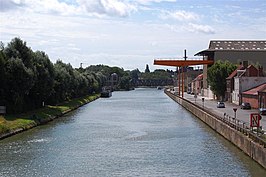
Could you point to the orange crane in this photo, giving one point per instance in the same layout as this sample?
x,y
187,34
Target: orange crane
x,y
181,63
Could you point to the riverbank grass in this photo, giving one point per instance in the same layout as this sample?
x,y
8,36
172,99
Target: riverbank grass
x,y
9,123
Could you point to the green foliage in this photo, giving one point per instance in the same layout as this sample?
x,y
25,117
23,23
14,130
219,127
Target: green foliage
x,y
2,75
134,74
14,122
44,83
157,74
29,78
19,81
105,70
101,75
18,49
217,75
3,128
124,83
159,77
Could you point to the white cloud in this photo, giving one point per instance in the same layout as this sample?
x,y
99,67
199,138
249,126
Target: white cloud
x,y
108,7
200,28
6,5
81,7
39,6
147,2
179,15
69,30
51,6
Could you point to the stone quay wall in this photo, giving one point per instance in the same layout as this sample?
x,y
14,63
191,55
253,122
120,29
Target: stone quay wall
x,y
253,149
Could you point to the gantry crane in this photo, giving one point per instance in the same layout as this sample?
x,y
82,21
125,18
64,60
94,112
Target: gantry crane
x,y
181,64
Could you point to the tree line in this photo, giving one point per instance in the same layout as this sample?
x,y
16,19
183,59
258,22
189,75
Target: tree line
x,y
29,79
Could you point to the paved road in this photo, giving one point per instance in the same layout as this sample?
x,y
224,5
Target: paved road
x,y
243,115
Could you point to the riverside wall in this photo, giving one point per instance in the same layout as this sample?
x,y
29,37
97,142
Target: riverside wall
x,y
256,151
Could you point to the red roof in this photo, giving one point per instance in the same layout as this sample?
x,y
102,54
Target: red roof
x,y
234,73
199,77
254,91
263,90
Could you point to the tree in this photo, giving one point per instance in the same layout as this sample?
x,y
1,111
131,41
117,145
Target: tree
x,y
18,49
2,74
147,70
62,84
28,78
119,71
19,74
124,83
20,80
217,75
44,84
134,74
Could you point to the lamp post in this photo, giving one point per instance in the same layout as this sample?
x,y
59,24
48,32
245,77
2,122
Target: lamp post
x,y
202,102
235,109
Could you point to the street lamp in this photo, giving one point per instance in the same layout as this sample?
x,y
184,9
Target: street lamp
x,y
202,102
235,109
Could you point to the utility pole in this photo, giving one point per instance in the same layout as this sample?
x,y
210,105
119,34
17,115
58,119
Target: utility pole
x,y
179,80
183,84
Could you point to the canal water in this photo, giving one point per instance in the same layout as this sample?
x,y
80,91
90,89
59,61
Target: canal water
x,y
136,133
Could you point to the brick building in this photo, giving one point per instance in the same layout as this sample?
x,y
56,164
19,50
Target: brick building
x,y
242,79
252,96
197,85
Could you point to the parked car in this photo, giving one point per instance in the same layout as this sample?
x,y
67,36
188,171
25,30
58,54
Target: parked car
x,y
245,105
262,111
220,104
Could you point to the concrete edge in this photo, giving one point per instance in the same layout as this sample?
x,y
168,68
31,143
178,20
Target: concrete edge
x,y
254,150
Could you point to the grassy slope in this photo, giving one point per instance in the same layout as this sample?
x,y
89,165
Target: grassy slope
x,y
10,123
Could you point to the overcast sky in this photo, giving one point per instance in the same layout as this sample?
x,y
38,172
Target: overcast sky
x,y
128,33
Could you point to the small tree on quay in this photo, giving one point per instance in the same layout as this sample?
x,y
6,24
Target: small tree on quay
x,y
217,75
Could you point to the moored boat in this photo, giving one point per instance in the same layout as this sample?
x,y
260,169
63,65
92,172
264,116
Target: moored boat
x,y
106,94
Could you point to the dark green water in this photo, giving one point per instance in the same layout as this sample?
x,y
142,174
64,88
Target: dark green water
x,y
136,133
